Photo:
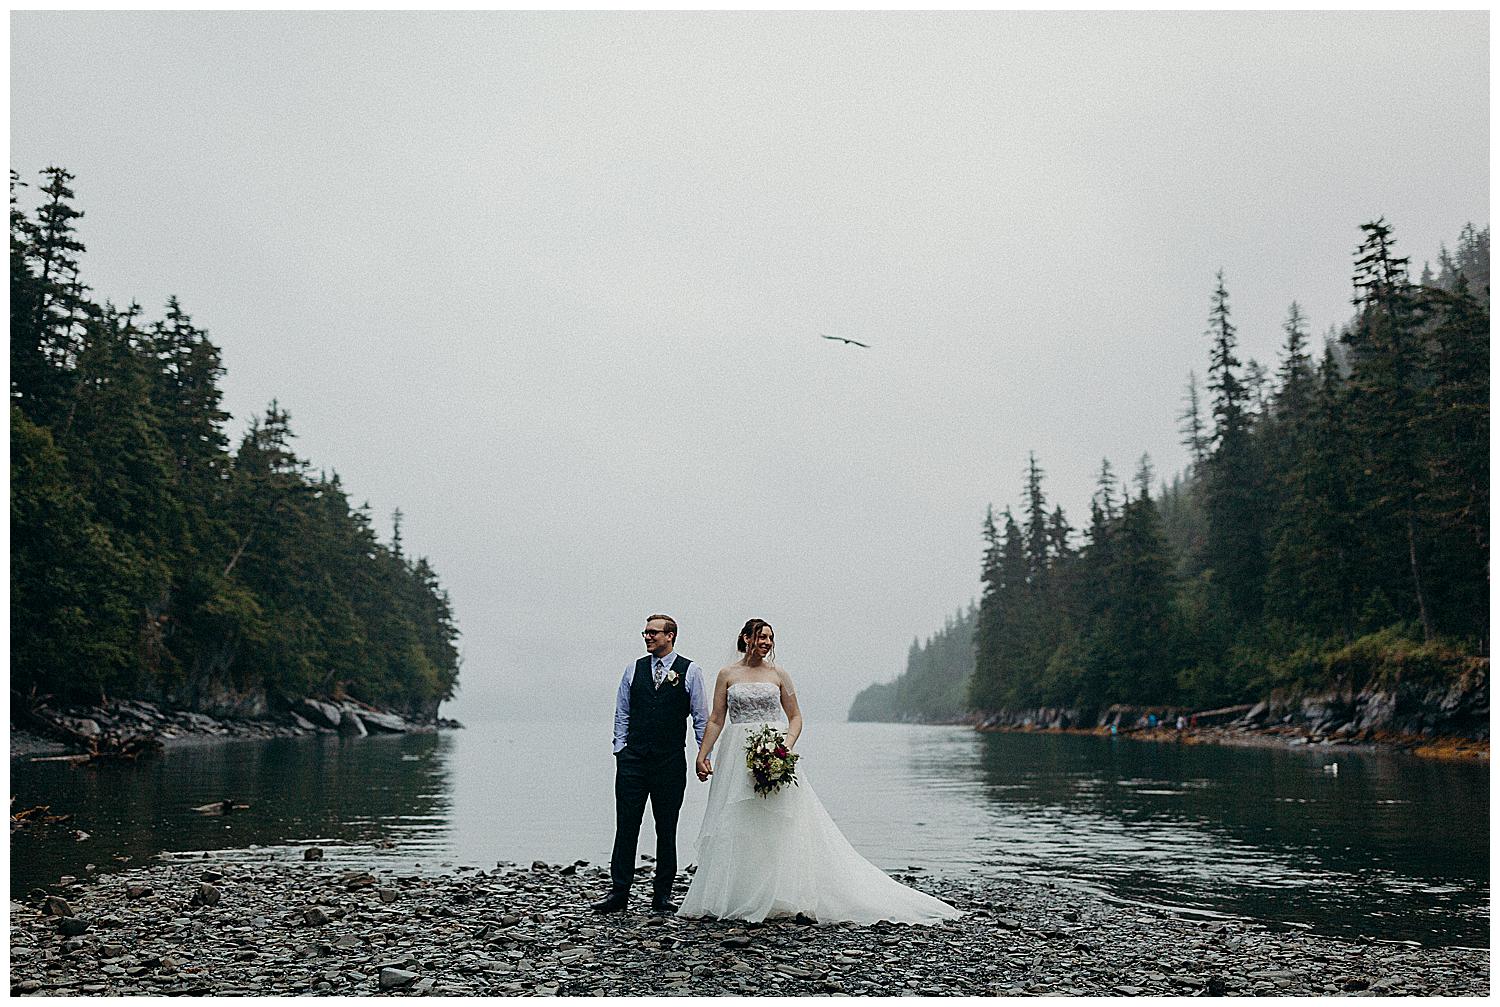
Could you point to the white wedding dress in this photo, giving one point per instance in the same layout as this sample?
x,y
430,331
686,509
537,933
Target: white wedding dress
x,y
781,855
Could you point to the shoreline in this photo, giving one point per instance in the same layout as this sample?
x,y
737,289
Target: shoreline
x,y
1444,748
212,925
130,728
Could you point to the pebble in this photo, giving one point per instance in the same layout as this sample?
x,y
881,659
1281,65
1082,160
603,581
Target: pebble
x,y
520,930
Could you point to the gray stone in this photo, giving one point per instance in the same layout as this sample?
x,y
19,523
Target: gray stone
x,y
395,979
72,926
389,723
207,895
322,713
57,906
315,916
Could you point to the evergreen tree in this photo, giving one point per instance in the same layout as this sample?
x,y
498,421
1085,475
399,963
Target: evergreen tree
x,y
1386,381
1233,485
1312,580
1455,429
1191,425
1038,555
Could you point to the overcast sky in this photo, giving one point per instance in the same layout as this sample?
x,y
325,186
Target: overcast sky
x,y
553,283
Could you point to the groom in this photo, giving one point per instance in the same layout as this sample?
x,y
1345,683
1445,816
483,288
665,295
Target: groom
x,y
657,694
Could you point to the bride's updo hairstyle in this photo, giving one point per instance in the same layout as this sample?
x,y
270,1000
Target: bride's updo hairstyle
x,y
750,632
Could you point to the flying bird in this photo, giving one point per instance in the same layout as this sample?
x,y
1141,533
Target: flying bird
x,y
851,342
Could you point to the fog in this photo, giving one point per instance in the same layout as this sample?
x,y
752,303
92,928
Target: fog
x,y
554,284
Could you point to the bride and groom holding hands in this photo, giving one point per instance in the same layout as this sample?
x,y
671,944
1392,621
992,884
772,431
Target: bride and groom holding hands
x,y
759,854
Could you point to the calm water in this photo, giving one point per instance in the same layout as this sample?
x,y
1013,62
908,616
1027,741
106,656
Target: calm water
x,y
1389,847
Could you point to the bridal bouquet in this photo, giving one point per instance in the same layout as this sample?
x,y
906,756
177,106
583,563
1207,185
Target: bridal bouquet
x,y
770,762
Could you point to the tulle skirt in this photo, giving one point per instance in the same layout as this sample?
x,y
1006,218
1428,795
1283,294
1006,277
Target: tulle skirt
x,y
780,855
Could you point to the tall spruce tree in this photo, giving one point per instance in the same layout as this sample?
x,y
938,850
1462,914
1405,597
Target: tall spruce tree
x,y
1386,380
1191,425
1233,484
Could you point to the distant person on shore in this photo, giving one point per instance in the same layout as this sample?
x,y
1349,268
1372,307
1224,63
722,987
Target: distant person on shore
x,y
657,695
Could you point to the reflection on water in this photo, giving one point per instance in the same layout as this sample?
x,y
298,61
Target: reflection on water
x,y
300,791
1385,846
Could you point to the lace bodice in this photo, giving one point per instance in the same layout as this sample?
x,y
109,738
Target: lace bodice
x,y
755,702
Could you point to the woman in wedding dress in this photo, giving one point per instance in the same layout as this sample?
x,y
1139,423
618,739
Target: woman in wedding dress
x,y
781,854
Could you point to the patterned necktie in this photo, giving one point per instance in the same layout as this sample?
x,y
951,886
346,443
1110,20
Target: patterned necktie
x,y
659,673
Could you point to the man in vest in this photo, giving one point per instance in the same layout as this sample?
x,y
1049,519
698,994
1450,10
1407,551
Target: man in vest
x,y
657,694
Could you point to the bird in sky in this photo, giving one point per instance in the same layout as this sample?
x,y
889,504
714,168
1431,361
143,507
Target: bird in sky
x,y
851,342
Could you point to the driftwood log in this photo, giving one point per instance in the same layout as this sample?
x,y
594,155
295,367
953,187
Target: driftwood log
x,y
107,744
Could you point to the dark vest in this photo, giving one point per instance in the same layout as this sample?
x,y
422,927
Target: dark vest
x,y
658,717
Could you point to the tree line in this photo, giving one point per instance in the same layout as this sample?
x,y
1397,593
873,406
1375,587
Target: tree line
x,y
148,558
1332,526
936,681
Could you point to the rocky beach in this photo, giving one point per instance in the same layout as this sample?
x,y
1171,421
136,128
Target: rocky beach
x,y
300,923
133,726
1448,720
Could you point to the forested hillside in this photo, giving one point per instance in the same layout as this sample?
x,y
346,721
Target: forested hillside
x,y
934,685
151,559
1332,527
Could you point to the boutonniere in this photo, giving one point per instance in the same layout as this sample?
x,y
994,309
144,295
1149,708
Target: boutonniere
x,y
670,677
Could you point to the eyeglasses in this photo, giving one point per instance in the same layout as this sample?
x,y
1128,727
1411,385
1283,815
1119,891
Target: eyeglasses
x,y
649,633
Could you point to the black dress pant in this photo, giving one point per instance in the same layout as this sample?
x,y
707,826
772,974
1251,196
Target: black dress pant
x,y
660,777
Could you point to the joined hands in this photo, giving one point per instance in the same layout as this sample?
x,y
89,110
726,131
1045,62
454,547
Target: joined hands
x,y
704,769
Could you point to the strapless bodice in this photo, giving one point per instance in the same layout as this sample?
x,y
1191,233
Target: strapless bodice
x,y
755,702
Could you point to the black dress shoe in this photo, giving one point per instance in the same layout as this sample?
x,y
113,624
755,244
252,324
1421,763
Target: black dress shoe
x,y
663,907
614,903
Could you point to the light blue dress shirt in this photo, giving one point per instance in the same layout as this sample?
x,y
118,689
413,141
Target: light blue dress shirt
x,y
697,698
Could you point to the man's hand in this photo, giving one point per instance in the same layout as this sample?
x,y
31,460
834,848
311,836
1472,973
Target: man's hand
x,y
704,769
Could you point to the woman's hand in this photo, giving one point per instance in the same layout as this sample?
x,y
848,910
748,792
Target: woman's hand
x,y
705,770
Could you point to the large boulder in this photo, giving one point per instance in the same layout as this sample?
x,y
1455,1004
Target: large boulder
x,y
323,714
377,721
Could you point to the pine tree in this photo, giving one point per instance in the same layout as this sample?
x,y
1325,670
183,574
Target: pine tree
x,y
1295,391
1141,592
1191,425
1454,415
1312,579
1145,475
1233,491
1038,555
1386,381
61,306
1104,495
984,688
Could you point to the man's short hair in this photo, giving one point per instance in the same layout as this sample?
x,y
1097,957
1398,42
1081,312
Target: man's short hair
x,y
671,622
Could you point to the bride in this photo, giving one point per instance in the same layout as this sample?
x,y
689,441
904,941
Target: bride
x,y
781,854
